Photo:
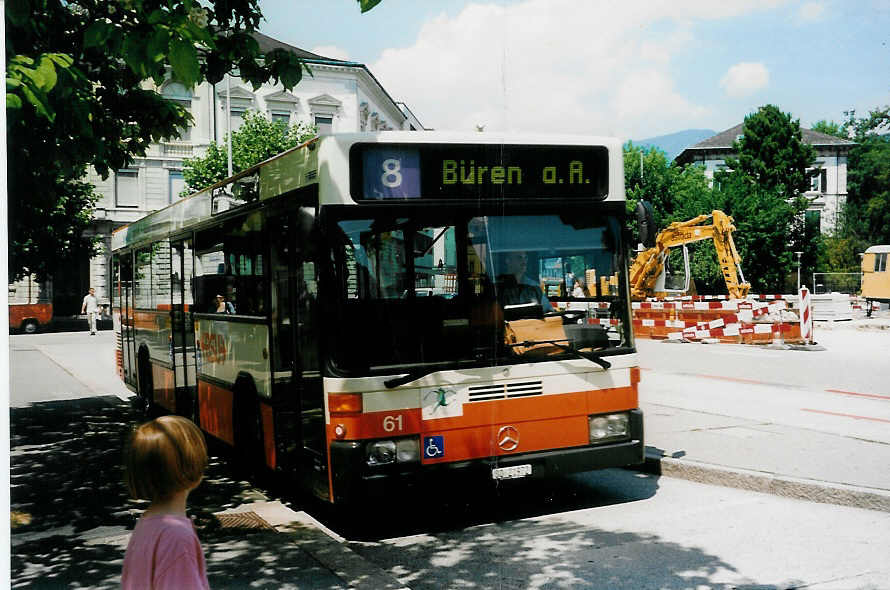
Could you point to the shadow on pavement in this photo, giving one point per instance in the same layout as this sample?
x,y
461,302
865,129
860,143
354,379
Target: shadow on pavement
x,y
72,514
463,506
552,553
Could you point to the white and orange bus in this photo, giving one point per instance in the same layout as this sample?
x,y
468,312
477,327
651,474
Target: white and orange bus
x,y
370,312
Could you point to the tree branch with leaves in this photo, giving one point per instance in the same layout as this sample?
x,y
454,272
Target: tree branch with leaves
x,y
76,98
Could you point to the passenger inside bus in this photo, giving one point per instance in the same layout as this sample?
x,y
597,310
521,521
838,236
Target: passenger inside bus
x,y
223,306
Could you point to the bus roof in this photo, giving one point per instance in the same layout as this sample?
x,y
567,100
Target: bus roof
x,y
879,249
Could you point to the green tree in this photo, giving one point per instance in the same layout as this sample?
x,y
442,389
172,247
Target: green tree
x,y
868,190
772,153
763,220
648,176
76,98
257,139
864,220
774,166
830,128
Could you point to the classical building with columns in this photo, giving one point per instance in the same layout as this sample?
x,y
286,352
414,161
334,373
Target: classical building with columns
x,y
339,96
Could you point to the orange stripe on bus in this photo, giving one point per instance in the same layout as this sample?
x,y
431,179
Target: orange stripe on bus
x,y
164,391
215,411
268,417
534,435
393,423
545,422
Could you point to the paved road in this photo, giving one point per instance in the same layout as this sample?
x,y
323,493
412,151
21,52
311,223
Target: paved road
x,y
60,366
610,529
819,417
855,360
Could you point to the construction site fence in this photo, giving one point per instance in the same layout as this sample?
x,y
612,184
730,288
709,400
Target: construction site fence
x,y
837,282
759,319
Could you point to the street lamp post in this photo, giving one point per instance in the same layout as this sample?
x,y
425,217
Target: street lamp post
x,y
799,254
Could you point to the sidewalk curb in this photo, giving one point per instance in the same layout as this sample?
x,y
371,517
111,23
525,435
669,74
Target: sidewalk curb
x,y
767,483
323,545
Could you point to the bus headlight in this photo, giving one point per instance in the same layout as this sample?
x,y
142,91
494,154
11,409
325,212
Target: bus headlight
x,y
608,427
385,452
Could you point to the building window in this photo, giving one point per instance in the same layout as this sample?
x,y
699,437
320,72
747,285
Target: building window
x,y
283,116
236,116
175,185
126,188
325,124
819,180
812,222
176,92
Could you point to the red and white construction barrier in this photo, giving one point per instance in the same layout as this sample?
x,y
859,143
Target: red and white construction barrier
x,y
754,297
732,325
806,315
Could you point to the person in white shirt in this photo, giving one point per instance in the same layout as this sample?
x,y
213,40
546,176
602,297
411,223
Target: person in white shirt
x,y
91,308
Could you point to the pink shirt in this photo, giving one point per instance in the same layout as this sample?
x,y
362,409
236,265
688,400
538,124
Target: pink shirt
x,y
164,552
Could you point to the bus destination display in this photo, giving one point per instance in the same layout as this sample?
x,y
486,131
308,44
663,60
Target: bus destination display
x,y
381,172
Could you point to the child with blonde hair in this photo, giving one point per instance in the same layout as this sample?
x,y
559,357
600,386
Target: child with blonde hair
x,y
165,460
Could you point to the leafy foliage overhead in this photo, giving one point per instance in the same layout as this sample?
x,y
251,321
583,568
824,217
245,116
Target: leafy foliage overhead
x,y
76,96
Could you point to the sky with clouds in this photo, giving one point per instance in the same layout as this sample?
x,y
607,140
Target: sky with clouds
x,y
630,68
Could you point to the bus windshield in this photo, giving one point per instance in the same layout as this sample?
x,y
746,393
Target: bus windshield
x,y
449,288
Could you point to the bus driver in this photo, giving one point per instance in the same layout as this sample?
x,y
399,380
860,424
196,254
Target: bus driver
x,y
516,287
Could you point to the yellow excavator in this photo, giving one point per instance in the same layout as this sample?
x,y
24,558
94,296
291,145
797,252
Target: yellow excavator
x,y
647,273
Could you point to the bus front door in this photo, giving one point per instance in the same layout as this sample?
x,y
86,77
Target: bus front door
x,y
183,343
295,335
128,335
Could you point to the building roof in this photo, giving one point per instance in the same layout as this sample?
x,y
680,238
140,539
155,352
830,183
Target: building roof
x,y
723,142
267,44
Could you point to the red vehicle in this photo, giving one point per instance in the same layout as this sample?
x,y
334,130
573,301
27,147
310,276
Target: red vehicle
x,y
28,318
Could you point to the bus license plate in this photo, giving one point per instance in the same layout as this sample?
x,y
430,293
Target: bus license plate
x,y
512,472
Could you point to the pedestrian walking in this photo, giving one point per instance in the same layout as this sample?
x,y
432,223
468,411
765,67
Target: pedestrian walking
x,y
164,461
91,308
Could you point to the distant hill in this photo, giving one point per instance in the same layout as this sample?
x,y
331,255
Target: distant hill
x,y
674,143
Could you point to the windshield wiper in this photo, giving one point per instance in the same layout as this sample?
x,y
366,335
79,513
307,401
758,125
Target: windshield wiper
x,y
592,357
423,372
409,377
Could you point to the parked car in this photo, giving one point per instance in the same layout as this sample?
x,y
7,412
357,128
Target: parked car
x,y
28,318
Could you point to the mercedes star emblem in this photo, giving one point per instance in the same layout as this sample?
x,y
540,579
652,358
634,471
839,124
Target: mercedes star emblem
x,y
508,438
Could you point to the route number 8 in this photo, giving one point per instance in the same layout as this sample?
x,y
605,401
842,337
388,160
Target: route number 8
x,y
392,173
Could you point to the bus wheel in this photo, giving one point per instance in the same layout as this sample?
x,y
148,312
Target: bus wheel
x,y
145,396
30,326
248,429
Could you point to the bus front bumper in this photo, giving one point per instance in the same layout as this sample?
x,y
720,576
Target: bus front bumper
x,y
355,482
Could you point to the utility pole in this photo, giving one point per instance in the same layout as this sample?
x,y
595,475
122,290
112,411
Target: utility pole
x,y
229,120
799,254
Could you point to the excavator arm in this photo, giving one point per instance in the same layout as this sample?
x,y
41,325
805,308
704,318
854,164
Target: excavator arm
x,y
649,264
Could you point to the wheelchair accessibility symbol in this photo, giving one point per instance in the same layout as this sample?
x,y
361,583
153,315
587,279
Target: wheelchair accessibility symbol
x,y
433,446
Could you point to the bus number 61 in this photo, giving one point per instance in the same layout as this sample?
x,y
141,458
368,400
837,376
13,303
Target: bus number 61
x,y
391,423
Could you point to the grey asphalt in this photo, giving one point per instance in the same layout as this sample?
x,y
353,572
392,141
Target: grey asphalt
x,y
296,551
723,442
